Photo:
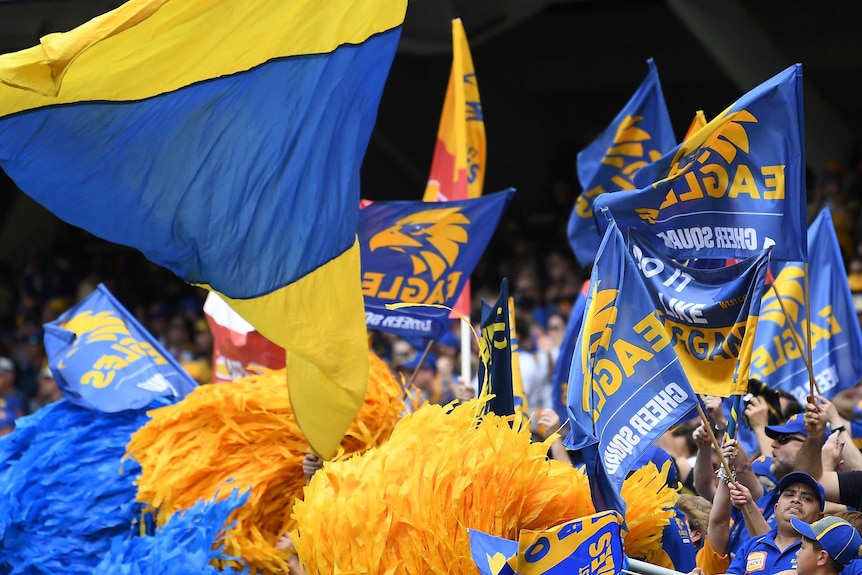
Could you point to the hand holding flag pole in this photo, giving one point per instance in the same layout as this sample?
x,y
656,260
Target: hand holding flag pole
x,y
746,512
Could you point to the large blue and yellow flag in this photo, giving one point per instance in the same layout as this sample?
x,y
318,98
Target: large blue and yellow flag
x,y
422,253
495,354
458,166
103,359
734,188
640,134
710,315
836,338
223,140
626,385
590,544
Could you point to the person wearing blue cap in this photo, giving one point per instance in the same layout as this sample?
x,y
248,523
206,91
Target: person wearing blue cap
x,y
787,440
800,497
828,546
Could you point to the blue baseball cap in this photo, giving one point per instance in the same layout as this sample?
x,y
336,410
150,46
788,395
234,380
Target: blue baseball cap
x,y
838,537
429,363
449,340
802,477
793,425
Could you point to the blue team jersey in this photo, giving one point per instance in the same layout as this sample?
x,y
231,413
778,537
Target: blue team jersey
x,y
760,555
677,550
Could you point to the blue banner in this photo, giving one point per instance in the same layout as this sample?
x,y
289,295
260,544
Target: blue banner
x,y
734,188
103,359
587,545
495,355
634,386
422,253
836,338
710,315
640,134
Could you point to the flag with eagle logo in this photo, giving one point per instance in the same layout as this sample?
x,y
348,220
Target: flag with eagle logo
x,y
422,253
640,134
103,359
626,384
223,140
836,337
734,188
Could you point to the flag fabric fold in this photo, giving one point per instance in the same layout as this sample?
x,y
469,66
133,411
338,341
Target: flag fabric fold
x,y
495,355
734,188
639,135
710,315
223,140
560,377
103,359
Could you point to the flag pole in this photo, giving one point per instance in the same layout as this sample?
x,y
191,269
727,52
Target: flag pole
x,y
812,382
746,512
421,361
805,355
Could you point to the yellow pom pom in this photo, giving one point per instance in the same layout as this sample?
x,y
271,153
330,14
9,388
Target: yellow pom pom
x,y
404,506
243,434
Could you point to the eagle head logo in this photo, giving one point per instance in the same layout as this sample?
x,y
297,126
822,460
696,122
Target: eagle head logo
x,y
790,285
431,238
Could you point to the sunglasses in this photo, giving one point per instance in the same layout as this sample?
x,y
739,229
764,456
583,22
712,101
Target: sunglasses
x,y
786,438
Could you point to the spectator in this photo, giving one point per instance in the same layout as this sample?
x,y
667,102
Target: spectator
x,y
48,391
801,498
828,545
10,399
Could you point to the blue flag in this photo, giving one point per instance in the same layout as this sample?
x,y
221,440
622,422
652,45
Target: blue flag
x,y
836,337
495,355
587,545
734,188
103,359
711,315
630,386
640,134
422,253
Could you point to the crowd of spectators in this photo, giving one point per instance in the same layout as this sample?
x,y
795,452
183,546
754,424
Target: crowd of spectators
x,y
529,249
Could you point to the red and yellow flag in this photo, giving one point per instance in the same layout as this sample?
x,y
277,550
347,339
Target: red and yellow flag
x,y
458,167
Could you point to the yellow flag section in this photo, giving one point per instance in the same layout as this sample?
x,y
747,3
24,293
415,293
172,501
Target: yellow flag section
x,y
458,167
698,122
325,364
109,50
